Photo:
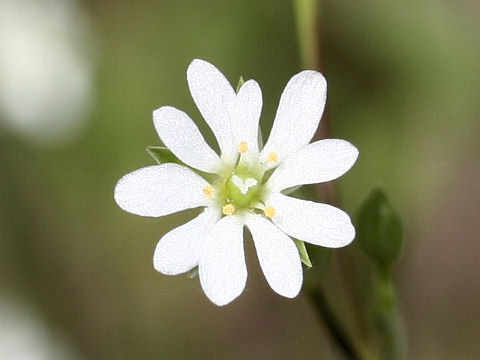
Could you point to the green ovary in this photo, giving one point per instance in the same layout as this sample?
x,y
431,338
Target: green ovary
x,y
242,189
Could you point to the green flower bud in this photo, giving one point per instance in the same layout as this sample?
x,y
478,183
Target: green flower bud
x,y
379,229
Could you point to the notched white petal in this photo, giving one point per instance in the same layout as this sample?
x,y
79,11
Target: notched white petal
x,y
215,98
180,134
247,115
178,251
160,190
315,223
222,269
278,256
321,161
298,115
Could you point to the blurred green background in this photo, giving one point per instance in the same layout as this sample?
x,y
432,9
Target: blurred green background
x,y
76,273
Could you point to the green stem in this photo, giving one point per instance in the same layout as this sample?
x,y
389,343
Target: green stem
x,y
307,12
387,319
308,31
336,330
307,16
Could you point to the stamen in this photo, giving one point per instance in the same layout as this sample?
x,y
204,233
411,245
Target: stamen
x,y
228,209
269,211
272,157
242,147
208,190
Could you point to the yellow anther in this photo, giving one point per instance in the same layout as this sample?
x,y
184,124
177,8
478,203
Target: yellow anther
x,y
269,211
272,157
228,209
208,190
242,147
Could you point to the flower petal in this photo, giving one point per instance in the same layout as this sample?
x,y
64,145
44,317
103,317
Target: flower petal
x,y
278,256
180,134
248,108
178,251
323,160
215,98
315,223
160,190
222,269
298,115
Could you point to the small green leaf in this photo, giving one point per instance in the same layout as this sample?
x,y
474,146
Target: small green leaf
x,y
162,155
303,252
379,229
240,84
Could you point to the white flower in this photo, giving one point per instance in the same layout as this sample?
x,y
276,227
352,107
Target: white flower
x,y
247,184
47,65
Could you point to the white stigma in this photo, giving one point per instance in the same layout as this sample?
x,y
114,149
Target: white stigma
x,y
243,185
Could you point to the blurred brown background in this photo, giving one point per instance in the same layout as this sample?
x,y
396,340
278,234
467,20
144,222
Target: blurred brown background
x,y
78,83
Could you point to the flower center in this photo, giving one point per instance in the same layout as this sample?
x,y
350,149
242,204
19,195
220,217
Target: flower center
x,y
241,188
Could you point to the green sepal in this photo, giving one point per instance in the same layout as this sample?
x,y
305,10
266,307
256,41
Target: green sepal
x,y
163,155
303,252
240,84
192,273
291,189
379,229
260,138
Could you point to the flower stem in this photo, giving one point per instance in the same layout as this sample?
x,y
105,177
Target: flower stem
x,y
387,319
308,31
307,12
336,330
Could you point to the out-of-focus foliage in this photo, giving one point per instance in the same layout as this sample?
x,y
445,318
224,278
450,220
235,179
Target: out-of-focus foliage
x,y
403,82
